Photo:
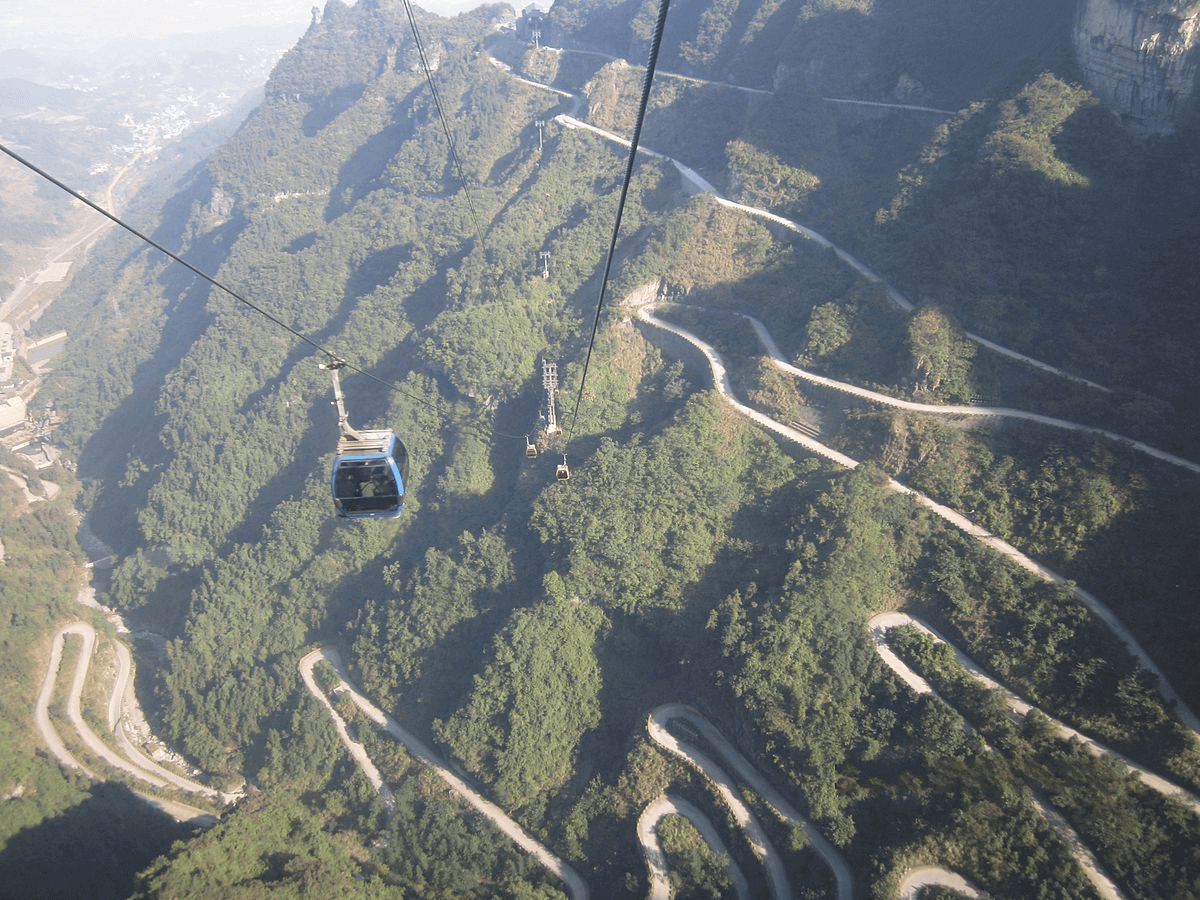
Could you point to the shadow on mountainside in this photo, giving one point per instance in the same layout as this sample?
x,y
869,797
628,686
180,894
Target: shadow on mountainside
x,y
93,850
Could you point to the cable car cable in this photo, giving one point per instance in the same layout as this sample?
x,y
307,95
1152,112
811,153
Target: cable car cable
x,y
437,102
160,248
655,44
333,357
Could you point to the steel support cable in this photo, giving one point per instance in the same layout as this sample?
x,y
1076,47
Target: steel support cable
x,y
160,248
655,44
437,102
333,357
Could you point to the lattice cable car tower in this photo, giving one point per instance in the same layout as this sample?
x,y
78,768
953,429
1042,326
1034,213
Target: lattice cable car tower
x,y
550,383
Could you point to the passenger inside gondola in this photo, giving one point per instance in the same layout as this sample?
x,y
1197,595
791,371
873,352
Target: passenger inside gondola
x,y
366,486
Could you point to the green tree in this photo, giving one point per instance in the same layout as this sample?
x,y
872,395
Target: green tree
x,y
272,846
533,701
828,329
941,356
695,869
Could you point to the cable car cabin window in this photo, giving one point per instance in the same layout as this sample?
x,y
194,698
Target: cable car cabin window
x,y
371,485
400,458
364,487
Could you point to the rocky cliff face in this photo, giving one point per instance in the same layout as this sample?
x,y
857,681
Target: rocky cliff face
x,y
1140,56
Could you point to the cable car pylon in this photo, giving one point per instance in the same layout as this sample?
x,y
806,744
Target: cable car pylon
x,y
550,383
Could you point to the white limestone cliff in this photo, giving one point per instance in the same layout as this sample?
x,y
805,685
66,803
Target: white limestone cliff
x,y
1140,57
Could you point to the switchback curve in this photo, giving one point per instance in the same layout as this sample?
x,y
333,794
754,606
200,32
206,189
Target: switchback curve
x,y
930,876
804,231
727,789
647,831
656,728
134,764
781,363
1099,609
575,884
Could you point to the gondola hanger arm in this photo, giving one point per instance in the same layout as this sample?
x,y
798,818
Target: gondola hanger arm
x,y
333,367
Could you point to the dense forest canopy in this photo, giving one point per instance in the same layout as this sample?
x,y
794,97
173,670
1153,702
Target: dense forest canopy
x,y
526,627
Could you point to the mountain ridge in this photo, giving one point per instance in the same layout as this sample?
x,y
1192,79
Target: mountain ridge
x,y
690,556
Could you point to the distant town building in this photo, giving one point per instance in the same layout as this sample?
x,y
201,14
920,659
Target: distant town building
x,y
44,349
53,273
7,351
12,413
41,454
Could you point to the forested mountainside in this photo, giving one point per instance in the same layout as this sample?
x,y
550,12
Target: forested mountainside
x,y
526,628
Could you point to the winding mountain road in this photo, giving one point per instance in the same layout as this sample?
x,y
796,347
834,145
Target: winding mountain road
x,y
931,876
575,884
1100,610
146,771
777,358
722,783
141,768
1104,885
895,296
706,187
41,710
879,627
656,727
883,623
656,862
134,764
780,362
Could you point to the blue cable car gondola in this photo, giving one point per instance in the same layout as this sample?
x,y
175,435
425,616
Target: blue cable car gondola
x,y
370,471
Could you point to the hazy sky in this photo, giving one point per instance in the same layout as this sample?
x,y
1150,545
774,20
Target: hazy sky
x,y
34,22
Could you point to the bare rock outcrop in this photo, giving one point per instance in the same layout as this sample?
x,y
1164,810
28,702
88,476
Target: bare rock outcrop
x,y
1140,57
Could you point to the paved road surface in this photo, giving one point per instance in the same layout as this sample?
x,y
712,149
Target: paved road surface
x,y
575,885
930,876
137,765
879,627
647,832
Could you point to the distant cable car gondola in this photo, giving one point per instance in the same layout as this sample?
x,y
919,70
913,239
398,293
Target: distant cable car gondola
x,y
562,473
370,471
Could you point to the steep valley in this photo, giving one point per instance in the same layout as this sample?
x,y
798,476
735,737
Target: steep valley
x,y
840,209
